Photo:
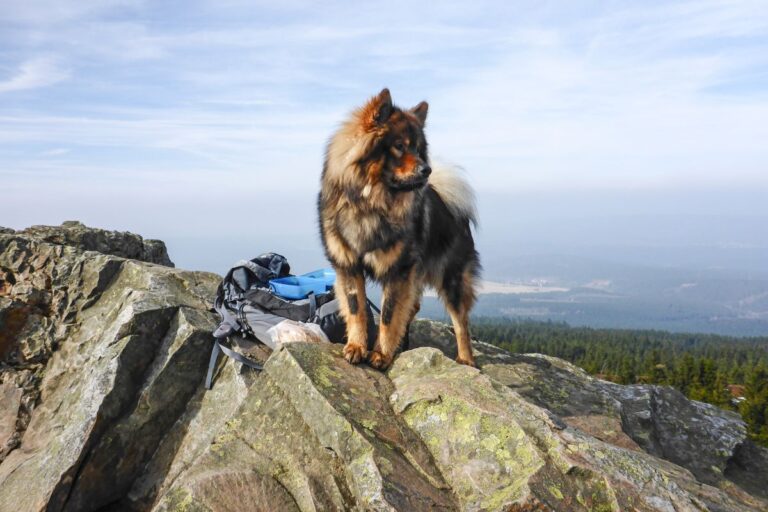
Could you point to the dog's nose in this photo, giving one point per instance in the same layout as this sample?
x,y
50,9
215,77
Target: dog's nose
x,y
425,171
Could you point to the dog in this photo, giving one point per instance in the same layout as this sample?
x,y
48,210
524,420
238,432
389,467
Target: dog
x,y
386,214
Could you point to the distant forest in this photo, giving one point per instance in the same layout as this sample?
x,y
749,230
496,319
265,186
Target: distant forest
x,y
731,373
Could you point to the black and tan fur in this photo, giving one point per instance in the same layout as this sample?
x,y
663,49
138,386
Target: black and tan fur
x,y
386,215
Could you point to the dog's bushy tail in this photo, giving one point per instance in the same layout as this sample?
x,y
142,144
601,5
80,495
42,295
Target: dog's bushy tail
x,y
453,189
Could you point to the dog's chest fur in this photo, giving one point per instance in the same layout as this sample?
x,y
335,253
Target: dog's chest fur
x,y
379,237
368,231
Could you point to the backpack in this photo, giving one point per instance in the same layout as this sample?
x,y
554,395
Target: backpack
x,y
249,307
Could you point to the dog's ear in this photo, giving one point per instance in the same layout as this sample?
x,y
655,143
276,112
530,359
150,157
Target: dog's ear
x,y
379,108
420,111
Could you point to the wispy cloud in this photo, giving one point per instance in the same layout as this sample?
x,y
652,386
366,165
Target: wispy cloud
x,y
33,74
55,152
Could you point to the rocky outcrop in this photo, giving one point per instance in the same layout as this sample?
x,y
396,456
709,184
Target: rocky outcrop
x,y
116,243
707,440
102,407
100,354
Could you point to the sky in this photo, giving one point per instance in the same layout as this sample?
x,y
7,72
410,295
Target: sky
x,y
592,125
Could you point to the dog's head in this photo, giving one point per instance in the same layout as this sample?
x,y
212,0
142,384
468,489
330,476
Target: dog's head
x,y
397,154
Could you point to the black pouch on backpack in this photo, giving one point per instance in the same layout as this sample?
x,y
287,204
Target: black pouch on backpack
x,y
330,320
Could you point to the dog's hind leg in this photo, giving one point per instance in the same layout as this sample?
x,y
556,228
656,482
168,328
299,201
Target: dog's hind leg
x,y
398,308
350,289
459,296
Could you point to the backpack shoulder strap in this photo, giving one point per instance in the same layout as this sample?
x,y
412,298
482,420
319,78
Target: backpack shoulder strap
x,y
218,347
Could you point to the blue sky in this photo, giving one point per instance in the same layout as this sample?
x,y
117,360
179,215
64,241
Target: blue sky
x,y
164,117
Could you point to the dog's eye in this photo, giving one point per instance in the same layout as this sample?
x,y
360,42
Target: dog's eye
x,y
399,146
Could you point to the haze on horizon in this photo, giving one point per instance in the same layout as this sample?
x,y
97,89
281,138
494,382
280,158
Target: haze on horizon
x,y
614,131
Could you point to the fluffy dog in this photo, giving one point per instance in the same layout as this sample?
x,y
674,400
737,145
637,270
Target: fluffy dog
x,y
385,213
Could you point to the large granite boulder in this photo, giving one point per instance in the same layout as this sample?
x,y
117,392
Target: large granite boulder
x,y
102,407
99,356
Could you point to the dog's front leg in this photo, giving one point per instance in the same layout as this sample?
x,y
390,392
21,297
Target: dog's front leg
x,y
399,302
350,290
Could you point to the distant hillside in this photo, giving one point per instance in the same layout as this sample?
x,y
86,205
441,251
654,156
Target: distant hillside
x,y
606,294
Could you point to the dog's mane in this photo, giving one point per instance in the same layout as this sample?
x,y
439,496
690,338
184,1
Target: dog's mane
x,y
351,142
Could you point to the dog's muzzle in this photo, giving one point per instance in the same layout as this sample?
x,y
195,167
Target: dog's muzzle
x,y
424,171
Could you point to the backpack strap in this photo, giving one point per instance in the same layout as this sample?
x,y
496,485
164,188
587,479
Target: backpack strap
x,y
242,320
212,364
229,322
300,310
373,306
218,347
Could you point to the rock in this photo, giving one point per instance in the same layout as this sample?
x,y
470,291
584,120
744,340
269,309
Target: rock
x,y
666,424
700,437
206,413
10,403
329,449
116,243
114,348
604,428
102,406
430,435
499,451
748,467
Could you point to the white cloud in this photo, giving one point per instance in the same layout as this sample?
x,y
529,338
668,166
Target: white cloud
x,y
34,73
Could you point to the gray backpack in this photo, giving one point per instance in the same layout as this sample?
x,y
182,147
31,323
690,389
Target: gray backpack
x,y
248,307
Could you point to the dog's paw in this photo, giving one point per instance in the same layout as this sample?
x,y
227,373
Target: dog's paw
x,y
354,353
378,360
468,362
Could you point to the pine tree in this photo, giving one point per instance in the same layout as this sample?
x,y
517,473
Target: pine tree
x,y
754,409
